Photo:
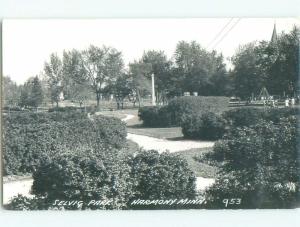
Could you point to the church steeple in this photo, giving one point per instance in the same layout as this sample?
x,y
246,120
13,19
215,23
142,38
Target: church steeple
x,y
274,35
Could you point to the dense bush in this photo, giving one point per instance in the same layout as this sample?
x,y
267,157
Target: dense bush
x,y
261,166
150,116
161,176
84,176
182,107
29,137
178,109
207,126
20,202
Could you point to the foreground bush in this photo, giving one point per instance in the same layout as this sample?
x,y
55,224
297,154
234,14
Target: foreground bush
x,y
207,126
31,137
178,109
82,175
24,203
261,166
161,176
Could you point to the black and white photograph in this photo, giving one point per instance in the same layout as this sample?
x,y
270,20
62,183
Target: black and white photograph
x,y
150,114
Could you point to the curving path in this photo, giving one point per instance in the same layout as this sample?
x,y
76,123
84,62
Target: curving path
x,y
161,145
13,188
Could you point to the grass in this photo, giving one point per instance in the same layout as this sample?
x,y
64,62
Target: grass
x,y
161,133
201,169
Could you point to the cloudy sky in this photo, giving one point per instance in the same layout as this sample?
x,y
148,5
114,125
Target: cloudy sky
x,y
27,44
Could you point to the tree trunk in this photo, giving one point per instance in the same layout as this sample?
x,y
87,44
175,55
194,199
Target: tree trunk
x,y
98,100
138,97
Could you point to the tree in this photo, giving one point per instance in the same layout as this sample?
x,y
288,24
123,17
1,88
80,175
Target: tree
x,y
54,74
76,87
36,96
121,89
247,76
199,70
100,67
25,94
11,92
140,79
32,94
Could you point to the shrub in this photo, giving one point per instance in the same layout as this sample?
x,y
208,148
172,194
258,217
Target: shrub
x,y
29,137
161,176
82,175
150,116
261,166
207,126
178,109
20,202
245,116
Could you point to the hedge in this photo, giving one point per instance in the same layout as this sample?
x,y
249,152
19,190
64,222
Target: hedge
x,y
31,137
247,116
178,109
211,126
207,126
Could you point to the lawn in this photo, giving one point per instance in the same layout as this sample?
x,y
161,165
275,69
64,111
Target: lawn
x,y
200,168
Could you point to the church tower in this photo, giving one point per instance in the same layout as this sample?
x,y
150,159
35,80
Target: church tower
x,y
274,35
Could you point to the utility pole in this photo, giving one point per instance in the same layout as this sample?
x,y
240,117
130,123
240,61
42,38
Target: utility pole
x,y
153,91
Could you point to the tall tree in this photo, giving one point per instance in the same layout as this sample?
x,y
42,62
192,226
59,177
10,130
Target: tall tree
x,y
247,76
198,69
36,95
76,87
101,67
55,76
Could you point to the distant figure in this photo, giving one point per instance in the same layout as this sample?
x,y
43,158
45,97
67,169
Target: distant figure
x,y
286,103
292,101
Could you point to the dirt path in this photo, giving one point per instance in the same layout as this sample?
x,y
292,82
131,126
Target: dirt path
x,y
13,188
161,145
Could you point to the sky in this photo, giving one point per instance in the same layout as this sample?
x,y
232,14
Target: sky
x,y
28,43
